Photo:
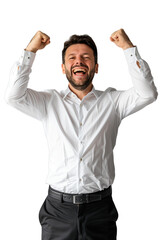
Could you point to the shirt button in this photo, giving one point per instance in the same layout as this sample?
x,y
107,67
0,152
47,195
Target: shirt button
x,y
80,124
81,159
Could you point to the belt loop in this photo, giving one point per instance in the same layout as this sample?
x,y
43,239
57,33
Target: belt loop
x,y
87,198
61,197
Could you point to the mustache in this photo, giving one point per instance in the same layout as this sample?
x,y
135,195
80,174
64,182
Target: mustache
x,y
81,65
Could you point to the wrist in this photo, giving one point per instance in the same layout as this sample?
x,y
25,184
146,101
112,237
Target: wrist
x,y
29,49
128,45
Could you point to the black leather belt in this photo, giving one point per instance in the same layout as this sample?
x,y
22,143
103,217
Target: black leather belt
x,y
79,198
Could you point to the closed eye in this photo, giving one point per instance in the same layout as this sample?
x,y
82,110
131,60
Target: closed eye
x,y
72,58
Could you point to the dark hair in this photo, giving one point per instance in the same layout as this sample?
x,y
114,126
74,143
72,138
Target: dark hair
x,y
80,39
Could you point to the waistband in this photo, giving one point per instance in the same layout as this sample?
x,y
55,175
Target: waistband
x,y
79,198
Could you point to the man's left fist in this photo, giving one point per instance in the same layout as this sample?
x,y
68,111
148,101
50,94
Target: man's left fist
x,y
121,39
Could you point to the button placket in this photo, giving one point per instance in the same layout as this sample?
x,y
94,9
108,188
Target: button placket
x,y
81,143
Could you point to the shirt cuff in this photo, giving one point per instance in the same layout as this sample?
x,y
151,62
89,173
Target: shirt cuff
x,y
27,58
132,54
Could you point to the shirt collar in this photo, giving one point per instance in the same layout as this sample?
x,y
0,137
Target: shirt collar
x,y
68,91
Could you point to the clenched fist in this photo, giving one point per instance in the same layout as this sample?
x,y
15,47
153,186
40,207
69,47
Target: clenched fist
x,y
121,39
39,41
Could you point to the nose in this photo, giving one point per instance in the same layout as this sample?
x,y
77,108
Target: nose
x,y
79,60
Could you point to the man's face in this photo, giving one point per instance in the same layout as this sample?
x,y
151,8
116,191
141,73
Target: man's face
x,y
79,66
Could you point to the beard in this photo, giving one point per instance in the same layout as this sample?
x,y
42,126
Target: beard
x,y
84,84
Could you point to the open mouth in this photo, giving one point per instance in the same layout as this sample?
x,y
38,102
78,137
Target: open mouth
x,y
79,71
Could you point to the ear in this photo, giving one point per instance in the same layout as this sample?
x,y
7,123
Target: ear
x,y
96,68
63,68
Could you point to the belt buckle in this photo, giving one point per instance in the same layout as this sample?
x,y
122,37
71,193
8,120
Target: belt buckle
x,y
78,199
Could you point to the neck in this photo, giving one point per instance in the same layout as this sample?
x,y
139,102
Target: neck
x,y
81,93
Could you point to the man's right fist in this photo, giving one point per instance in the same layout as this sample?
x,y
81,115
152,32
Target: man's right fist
x,y
39,41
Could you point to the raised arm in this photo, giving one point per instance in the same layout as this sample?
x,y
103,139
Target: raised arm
x,y
18,94
144,91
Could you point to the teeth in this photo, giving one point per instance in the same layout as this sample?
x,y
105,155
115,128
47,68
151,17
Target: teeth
x,y
79,70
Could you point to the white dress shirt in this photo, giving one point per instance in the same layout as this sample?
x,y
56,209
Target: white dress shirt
x,y
81,134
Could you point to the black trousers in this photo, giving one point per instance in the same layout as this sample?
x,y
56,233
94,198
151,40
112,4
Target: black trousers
x,y
68,221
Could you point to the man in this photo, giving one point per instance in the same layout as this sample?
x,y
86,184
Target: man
x,y
81,126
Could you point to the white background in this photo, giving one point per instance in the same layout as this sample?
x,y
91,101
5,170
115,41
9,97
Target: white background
x,y
24,153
